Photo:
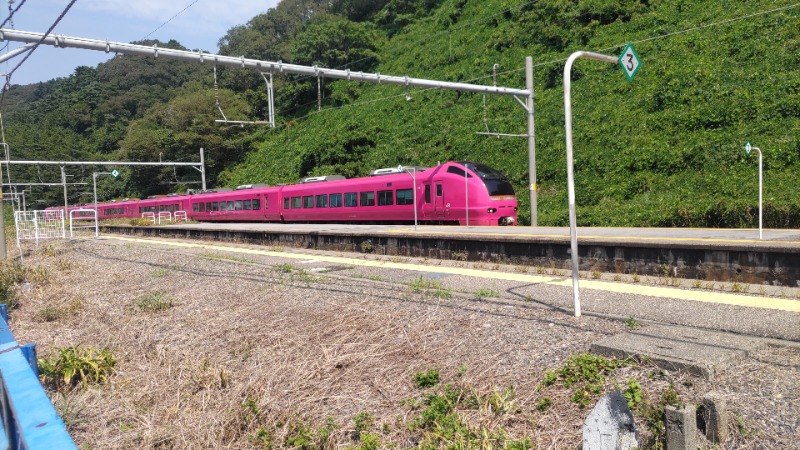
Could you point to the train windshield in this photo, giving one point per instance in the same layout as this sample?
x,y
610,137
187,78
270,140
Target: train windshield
x,y
484,171
496,182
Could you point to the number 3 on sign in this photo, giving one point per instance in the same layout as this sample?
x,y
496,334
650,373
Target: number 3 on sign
x,y
629,61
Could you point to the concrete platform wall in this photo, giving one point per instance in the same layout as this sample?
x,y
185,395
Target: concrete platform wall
x,y
774,265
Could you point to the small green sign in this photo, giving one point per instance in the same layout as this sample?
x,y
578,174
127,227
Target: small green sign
x,y
748,148
115,173
629,61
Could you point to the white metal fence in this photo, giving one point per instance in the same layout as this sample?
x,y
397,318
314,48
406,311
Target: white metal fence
x,y
82,219
37,225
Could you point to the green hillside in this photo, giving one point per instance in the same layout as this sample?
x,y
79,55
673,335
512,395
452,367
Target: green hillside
x,y
663,150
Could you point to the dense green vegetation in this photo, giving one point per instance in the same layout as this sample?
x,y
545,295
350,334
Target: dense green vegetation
x,y
663,150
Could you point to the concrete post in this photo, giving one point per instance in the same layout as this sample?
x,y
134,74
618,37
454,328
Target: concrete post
x,y
681,427
715,416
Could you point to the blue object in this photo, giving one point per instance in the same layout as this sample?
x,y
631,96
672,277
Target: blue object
x,y
29,420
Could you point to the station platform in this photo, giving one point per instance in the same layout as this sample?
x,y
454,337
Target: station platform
x,y
697,253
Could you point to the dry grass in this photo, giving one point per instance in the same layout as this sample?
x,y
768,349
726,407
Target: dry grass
x,y
247,355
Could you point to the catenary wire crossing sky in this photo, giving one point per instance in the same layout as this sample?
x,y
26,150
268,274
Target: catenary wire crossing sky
x,y
196,24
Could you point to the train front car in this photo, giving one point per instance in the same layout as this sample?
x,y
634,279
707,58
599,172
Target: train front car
x,y
479,196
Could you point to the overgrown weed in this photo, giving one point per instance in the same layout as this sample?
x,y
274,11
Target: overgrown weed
x,y
77,365
153,302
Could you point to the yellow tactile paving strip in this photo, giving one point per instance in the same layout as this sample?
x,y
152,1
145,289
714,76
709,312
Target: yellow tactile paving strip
x,y
637,289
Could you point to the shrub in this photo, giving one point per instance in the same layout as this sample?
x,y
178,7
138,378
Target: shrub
x,y
427,379
75,365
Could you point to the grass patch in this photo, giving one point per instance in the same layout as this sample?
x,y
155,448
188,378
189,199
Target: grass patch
x,y
160,273
224,257
426,379
430,287
76,365
654,418
153,302
140,222
13,273
48,314
66,265
284,268
484,293
585,374
298,273
442,419
369,277
367,247
51,313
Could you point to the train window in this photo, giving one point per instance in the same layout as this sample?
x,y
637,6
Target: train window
x,y
427,193
322,201
230,205
438,190
223,206
499,187
295,202
405,197
246,205
195,207
257,204
286,203
336,200
202,207
350,199
215,206
385,198
368,198
208,206
308,201
458,171
239,205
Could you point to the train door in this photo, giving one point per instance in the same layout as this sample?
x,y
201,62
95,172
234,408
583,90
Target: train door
x,y
440,207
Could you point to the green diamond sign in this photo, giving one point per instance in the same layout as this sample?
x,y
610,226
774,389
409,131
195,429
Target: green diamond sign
x,y
629,61
115,173
748,148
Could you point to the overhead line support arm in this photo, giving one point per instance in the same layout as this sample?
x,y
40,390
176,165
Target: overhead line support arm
x,y
262,66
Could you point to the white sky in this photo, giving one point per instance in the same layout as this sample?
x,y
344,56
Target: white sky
x,y
199,27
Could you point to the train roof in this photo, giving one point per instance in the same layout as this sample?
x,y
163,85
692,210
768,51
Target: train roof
x,y
398,169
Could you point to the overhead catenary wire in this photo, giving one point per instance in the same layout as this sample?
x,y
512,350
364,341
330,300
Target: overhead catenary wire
x,y
33,49
169,20
11,13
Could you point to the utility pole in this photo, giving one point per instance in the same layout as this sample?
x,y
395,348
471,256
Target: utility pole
x,y
2,223
64,182
534,188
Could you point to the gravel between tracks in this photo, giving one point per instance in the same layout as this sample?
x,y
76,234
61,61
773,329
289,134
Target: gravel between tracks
x,y
253,347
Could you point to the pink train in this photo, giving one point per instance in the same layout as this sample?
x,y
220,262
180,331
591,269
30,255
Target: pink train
x,y
386,196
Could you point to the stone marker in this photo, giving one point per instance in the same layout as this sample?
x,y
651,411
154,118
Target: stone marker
x,y
715,416
610,425
681,427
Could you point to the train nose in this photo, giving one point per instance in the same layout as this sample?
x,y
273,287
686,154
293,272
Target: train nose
x,y
507,221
